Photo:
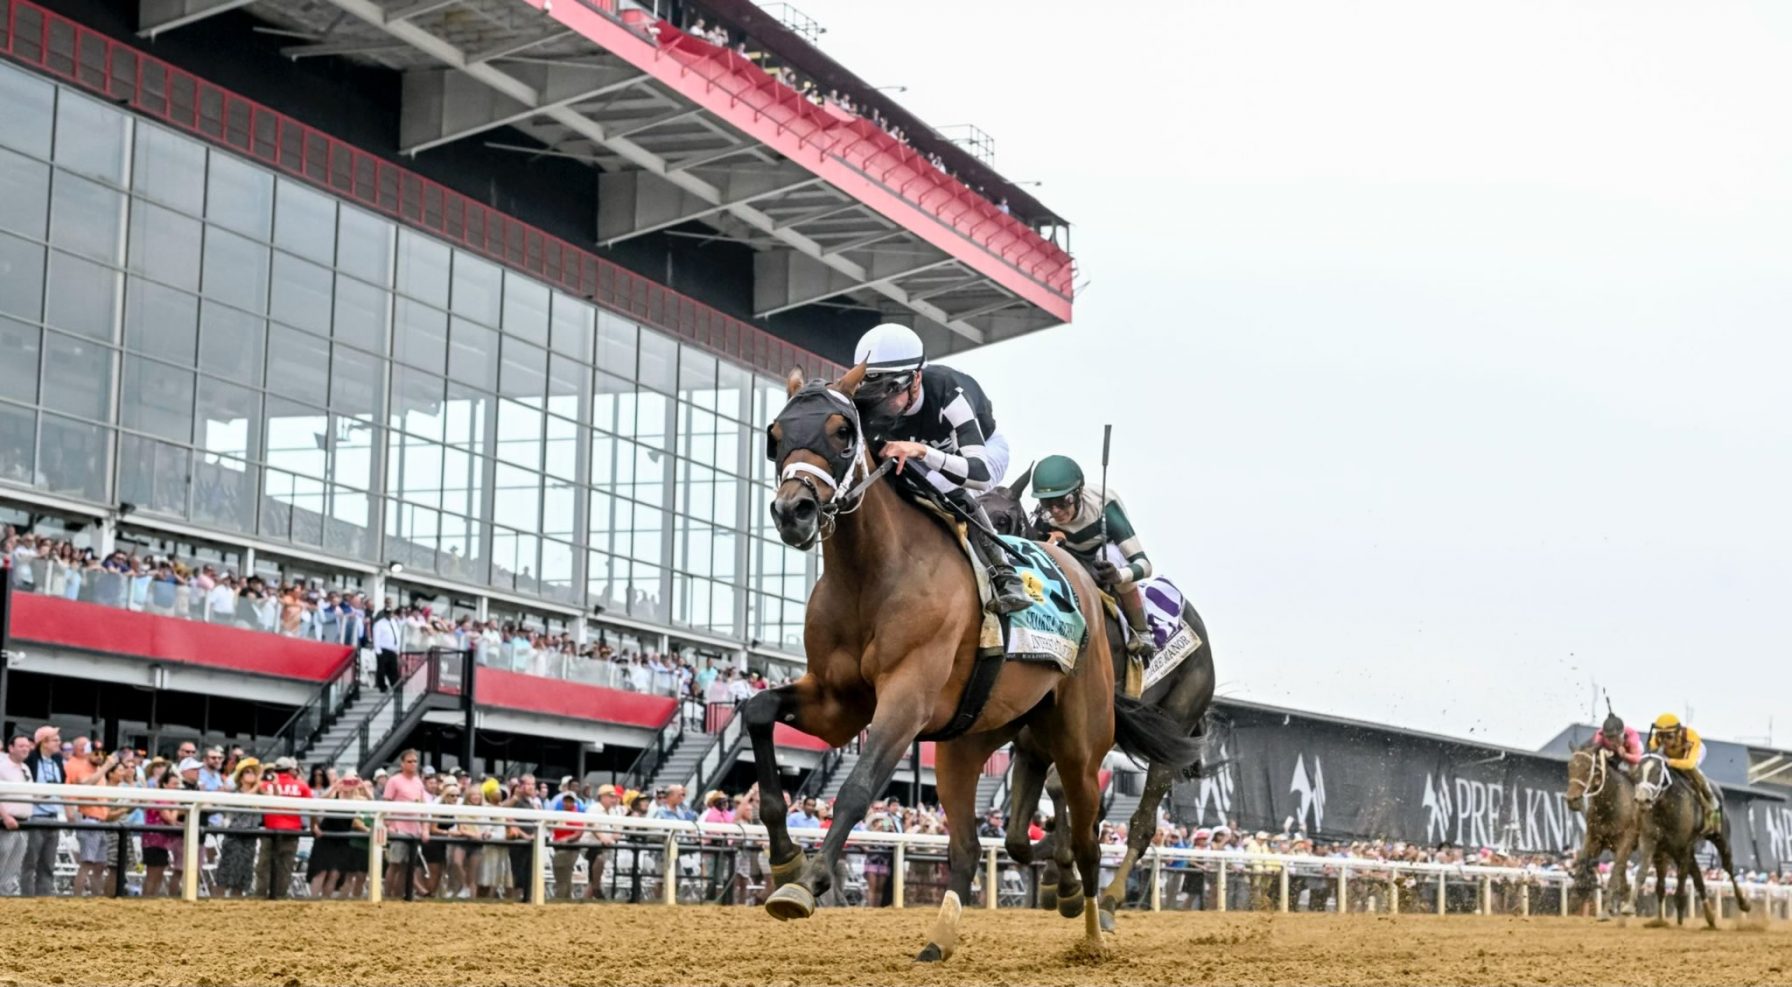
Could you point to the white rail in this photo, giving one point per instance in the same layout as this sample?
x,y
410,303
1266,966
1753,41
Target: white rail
x,y
672,833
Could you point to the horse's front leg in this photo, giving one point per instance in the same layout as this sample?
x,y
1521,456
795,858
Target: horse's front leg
x,y
801,705
895,724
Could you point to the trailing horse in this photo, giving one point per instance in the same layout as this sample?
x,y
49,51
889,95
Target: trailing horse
x,y
1607,793
1672,825
1183,695
892,634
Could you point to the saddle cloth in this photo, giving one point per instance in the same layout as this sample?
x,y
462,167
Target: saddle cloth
x,y
1174,638
1051,630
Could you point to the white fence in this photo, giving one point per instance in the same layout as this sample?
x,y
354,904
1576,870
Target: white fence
x,y
676,836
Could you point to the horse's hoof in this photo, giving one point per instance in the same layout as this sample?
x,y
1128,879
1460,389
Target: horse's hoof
x,y
932,954
1656,923
1107,921
788,871
1071,906
790,901
1048,896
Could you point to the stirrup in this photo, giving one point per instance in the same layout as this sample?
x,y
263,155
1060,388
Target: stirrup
x,y
1139,646
1007,593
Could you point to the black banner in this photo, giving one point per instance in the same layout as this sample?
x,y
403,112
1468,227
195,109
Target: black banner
x,y
1340,780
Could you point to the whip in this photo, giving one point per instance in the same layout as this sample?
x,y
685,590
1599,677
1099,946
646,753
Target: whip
x,y
1107,437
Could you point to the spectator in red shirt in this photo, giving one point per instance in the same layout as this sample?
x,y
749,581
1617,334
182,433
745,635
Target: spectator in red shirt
x,y
278,852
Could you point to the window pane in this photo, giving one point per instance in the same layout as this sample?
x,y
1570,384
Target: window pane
x,y
82,296
423,268
477,285
362,312
697,377
420,335
525,373
364,246
568,388
345,530
297,437
230,343
27,105
71,456
652,425
414,471
525,309
298,364
170,169
517,497
468,418
239,196
301,294
659,361
90,137
355,383
616,345
236,270
229,417
18,426
352,461
559,508
22,345
473,355
165,245
86,218
21,278
417,403
305,222
734,385
557,572
224,493
77,376
157,399
24,188
153,475
519,434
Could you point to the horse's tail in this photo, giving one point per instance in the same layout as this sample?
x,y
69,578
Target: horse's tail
x,y
1149,734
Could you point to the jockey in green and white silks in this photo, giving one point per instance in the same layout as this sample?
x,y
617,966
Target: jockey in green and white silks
x,y
1071,514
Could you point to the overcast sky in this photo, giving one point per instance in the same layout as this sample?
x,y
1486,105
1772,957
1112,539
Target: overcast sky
x,y
1445,344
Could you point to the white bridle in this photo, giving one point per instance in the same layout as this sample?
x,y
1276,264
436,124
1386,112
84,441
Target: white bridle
x,y
1649,791
1588,788
836,488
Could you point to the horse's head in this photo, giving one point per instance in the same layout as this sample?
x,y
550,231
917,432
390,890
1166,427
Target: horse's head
x,y
1003,506
1586,775
1652,779
818,447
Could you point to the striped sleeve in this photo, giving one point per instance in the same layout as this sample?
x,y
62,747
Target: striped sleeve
x,y
1122,536
967,465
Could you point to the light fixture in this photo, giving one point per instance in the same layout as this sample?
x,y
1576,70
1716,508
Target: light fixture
x,y
126,508
395,567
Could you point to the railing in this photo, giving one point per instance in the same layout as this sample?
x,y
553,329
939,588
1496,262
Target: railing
x,y
723,747
153,87
322,709
1266,876
420,675
817,782
647,763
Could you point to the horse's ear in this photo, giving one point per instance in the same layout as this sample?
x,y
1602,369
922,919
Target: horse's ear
x,y
1018,488
793,382
849,384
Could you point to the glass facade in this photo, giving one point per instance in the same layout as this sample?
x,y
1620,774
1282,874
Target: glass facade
x,y
220,345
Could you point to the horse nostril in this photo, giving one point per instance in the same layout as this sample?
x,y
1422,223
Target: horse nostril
x,y
802,510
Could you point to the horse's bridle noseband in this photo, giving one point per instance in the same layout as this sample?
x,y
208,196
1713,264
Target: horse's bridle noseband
x,y
1652,790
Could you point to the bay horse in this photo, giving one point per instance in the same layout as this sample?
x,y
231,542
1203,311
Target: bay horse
x,y
1607,794
891,636
1184,695
1672,826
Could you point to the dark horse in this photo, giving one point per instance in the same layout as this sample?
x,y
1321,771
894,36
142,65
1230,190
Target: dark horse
x,y
1673,823
1184,696
1608,794
891,635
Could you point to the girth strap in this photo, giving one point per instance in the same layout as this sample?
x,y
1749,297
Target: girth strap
x,y
984,669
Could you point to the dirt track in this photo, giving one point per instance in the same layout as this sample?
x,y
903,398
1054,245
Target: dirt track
x,y
302,943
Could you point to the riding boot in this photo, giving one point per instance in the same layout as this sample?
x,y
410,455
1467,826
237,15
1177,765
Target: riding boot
x,y
1139,644
1007,594
1708,801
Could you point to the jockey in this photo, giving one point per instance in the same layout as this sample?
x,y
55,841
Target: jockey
x,y
1624,742
939,418
1071,514
1681,745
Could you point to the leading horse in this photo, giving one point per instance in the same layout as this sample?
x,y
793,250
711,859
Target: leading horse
x,y
1608,794
1184,695
891,635
1672,826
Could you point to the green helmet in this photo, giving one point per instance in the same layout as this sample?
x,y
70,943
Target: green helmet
x,y
1056,476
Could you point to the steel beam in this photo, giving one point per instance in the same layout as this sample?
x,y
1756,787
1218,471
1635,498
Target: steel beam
x,y
157,17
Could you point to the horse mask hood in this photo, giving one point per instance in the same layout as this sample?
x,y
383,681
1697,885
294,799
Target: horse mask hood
x,y
803,425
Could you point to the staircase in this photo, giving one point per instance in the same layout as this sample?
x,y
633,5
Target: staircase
x,y
348,723
842,771
346,726
989,789
682,761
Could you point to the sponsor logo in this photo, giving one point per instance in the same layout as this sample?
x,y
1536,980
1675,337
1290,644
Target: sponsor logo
x,y
1311,792
1216,791
1485,813
1777,822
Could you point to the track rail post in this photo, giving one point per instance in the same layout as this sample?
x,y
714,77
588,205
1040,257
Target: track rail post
x,y
1282,886
1486,894
1157,881
899,879
190,854
1343,890
1394,892
537,857
1441,892
992,875
1220,883
668,872
376,859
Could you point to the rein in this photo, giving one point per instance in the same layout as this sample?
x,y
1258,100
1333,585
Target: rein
x,y
1652,790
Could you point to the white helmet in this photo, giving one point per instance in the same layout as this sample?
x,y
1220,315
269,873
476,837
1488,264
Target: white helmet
x,y
889,349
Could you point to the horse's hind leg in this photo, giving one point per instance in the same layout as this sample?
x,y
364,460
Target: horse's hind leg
x,y
1140,830
1709,907
1060,869
1680,893
1722,842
